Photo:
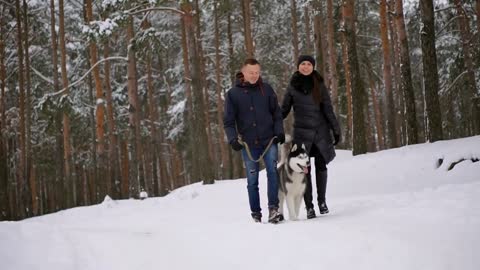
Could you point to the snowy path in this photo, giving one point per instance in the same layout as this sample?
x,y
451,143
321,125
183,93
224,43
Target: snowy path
x,y
390,210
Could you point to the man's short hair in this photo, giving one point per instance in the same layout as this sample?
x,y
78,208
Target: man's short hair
x,y
251,61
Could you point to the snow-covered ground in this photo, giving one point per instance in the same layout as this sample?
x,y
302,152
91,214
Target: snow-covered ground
x,y
389,210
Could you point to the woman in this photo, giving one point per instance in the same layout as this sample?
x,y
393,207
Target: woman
x,y
314,123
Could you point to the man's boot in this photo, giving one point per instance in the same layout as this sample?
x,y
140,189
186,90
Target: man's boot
x,y
273,215
257,217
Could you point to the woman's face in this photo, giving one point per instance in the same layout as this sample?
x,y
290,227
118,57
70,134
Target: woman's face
x,y
305,68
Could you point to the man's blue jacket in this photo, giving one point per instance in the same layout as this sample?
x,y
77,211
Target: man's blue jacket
x,y
252,112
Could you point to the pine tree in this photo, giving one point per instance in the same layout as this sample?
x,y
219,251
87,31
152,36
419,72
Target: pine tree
x,y
359,96
406,76
430,73
387,75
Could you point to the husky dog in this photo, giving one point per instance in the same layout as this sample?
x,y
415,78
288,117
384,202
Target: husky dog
x,y
292,171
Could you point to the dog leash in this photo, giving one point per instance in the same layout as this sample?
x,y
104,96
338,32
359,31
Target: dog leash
x,y
249,154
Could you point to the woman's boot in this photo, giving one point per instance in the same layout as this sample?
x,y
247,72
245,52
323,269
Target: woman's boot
x,y
307,197
321,180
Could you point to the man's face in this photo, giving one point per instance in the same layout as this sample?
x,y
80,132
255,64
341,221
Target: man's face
x,y
251,73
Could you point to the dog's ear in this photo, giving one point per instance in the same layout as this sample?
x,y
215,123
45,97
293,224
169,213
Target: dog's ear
x,y
294,148
303,146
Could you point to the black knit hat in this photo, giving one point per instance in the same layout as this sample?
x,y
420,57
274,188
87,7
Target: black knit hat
x,y
305,57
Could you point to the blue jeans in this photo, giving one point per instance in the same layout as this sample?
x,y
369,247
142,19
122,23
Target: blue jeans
x,y
270,160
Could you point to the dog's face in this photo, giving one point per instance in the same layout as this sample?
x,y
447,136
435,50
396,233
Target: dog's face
x,y
298,159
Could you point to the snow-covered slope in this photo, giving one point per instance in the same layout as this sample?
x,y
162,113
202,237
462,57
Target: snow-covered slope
x,y
394,209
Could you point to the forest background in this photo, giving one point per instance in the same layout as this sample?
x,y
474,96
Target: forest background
x,y
125,98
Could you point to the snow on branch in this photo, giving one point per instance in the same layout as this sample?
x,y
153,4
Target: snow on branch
x,y
43,77
443,9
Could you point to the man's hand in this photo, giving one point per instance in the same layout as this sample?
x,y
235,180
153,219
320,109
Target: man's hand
x,y
236,145
280,139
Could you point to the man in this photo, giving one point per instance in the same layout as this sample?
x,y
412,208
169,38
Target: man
x,y
253,118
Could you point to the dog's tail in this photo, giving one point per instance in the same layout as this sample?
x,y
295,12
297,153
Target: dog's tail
x,y
288,138
283,151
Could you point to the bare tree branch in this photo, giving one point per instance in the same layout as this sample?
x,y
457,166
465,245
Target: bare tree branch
x,y
86,73
453,83
157,9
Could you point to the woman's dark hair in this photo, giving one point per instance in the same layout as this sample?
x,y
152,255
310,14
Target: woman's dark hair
x,y
316,91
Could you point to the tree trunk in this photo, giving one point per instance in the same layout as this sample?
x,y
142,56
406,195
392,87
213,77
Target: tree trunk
x,y
359,96
387,76
149,165
12,185
476,100
125,185
152,116
57,186
165,173
91,185
33,190
293,10
308,31
231,67
348,90
202,83
476,114
99,111
218,88
4,198
202,169
164,156
371,146
187,75
113,184
23,206
395,57
332,56
83,176
177,168
42,194
407,86
320,47
137,180
94,179
80,191
478,18
376,108
188,116
249,48
67,149
28,114
235,161
470,89
430,73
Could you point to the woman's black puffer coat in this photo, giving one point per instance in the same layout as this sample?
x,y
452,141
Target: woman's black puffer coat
x,y
313,122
